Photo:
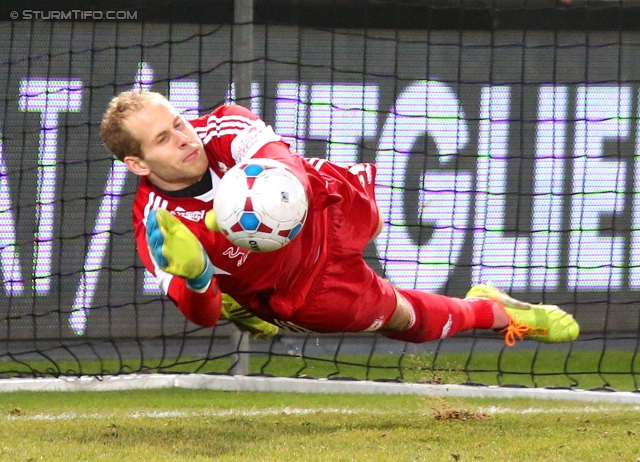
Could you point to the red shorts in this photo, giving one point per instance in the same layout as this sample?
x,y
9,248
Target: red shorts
x,y
347,295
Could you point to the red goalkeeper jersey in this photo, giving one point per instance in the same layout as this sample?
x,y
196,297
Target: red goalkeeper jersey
x,y
279,279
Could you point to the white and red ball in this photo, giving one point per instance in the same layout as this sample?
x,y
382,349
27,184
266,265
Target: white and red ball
x,y
260,205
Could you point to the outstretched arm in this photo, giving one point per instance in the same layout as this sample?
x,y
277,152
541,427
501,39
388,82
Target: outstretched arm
x,y
185,274
171,252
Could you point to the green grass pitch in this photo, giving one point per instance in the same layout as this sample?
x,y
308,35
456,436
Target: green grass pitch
x,y
201,425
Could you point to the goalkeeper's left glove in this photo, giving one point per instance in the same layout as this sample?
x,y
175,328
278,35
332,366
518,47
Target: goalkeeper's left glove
x,y
177,250
245,321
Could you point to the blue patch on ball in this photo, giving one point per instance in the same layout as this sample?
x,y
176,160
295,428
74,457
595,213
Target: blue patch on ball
x,y
294,232
249,221
253,170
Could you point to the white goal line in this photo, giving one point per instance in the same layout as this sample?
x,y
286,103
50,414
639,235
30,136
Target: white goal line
x,y
301,385
290,411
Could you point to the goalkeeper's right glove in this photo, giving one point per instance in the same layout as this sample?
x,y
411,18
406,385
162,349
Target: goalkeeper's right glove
x,y
245,321
177,250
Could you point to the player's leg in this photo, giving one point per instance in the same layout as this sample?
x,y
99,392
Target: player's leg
x,y
422,316
349,297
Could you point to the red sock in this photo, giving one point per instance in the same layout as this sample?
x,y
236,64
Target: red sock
x,y
438,316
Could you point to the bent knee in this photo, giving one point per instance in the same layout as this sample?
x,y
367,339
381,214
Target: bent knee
x,y
401,319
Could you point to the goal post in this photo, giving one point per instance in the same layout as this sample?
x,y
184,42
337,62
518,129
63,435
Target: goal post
x,y
506,139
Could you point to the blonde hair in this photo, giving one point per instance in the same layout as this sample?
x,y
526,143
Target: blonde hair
x,y
114,135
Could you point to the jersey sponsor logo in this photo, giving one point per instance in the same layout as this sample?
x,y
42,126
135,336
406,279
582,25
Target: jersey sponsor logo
x,y
235,252
157,202
191,215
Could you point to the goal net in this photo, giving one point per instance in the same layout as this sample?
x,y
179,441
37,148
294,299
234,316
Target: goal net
x,y
507,148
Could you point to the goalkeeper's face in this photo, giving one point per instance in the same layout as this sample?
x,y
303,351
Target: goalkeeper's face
x,y
173,156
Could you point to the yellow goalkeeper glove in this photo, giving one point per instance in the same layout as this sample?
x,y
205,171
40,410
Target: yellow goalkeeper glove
x,y
245,321
177,250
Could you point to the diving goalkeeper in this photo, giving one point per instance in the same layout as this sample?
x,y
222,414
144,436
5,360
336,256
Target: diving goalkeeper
x,y
319,282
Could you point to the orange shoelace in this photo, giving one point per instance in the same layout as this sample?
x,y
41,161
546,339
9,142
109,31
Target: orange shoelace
x,y
519,330
513,330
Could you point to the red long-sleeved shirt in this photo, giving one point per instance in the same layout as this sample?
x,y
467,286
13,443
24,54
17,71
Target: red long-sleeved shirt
x,y
276,280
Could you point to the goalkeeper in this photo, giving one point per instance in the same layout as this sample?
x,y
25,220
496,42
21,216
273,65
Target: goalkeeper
x,y
319,282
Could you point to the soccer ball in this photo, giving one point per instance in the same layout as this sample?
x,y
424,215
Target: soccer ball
x,y
260,205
